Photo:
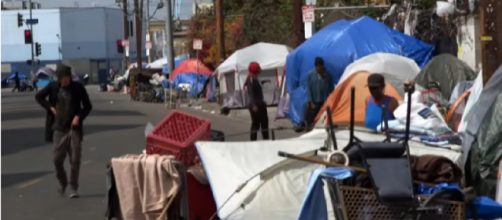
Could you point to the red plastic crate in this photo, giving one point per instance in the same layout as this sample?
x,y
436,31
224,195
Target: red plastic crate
x,y
201,203
176,135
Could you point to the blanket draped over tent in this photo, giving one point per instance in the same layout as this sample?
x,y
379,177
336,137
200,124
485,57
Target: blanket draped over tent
x,y
339,44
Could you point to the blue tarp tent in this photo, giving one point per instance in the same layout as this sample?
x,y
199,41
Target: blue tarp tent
x,y
192,72
340,44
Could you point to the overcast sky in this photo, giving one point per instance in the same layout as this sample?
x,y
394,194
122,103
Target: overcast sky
x,y
185,6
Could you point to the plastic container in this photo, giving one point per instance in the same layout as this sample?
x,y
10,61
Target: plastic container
x,y
176,135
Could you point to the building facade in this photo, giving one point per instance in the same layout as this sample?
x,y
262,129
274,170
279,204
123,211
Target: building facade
x,y
84,38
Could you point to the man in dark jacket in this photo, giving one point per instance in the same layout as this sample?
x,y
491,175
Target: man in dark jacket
x,y
17,83
67,106
257,105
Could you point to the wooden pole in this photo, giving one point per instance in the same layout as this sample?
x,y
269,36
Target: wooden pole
x,y
139,27
126,31
298,29
220,32
491,36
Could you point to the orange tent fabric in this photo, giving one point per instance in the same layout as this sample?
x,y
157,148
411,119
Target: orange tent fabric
x,y
456,111
339,100
191,66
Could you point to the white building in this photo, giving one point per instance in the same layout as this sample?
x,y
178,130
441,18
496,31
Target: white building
x,y
84,38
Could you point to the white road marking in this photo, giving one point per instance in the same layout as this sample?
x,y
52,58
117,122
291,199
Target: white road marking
x,y
29,183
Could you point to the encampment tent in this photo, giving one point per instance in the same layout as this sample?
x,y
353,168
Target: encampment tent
x,y
341,43
250,181
233,72
44,76
192,72
339,99
483,137
396,69
162,63
447,71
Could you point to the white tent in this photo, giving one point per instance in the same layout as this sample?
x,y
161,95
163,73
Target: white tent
x,y
250,181
160,63
157,64
399,67
232,73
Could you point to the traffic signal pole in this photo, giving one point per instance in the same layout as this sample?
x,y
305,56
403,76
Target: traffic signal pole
x,y
32,49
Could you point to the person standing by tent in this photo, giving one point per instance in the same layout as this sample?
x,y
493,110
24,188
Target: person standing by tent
x,y
67,106
17,82
378,103
257,105
319,86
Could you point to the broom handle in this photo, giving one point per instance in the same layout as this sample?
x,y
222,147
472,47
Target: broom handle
x,y
321,162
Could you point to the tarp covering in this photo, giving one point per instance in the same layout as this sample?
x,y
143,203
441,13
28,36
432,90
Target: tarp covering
x,y
45,72
191,66
339,44
233,72
446,70
192,72
483,137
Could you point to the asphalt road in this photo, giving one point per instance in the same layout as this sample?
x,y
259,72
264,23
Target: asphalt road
x,y
115,127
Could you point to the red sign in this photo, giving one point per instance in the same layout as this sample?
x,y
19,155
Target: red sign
x,y
308,13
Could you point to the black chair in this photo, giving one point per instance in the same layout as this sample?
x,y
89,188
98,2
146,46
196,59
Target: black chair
x,y
388,168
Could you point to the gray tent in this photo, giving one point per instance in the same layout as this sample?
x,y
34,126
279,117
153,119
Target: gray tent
x,y
447,71
483,138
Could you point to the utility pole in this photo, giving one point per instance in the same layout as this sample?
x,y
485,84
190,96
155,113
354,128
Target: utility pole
x,y
139,27
148,52
298,31
491,42
126,33
220,32
33,39
169,37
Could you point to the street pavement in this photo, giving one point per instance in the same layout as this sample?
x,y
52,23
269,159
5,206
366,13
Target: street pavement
x,y
115,127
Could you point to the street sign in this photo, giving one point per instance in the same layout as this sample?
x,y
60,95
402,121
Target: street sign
x,y
32,21
197,44
148,45
308,13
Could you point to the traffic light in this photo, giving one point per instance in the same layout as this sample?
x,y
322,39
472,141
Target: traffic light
x,y
120,46
19,20
28,38
38,49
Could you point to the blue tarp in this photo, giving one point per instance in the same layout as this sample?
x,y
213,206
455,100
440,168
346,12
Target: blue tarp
x,y
314,204
42,83
22,76
340,44
195,80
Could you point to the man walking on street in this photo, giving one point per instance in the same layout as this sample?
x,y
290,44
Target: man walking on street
x,y
319,86
67,104
257,105
17,83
